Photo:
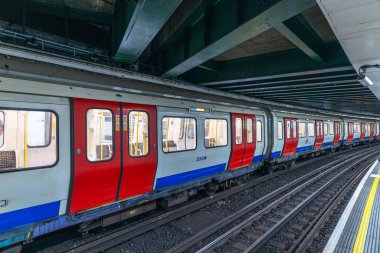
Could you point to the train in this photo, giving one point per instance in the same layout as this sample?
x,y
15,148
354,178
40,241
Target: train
x,y
97,159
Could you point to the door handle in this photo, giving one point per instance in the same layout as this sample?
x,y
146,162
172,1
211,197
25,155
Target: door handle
x,y
4,202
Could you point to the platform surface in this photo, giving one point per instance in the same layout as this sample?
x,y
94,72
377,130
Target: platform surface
x,y
358,229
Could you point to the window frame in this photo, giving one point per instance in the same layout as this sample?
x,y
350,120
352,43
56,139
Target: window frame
x,y
148,133
113,134
261,130
196,134
3,128
204,133
246,129
12,170
306,130
282,130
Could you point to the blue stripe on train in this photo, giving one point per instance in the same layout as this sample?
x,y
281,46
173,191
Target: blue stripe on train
x,y
366,138
187,176
275,154
326,144
258,158
28,215
302,149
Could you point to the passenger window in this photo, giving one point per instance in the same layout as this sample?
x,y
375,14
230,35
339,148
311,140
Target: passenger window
x,y
331,129
325,129
294,129
302,129
239,130
259,131
310,129
99,135
179,134
288,130
1,129
29,140
279,130
138,133
249,125
215,133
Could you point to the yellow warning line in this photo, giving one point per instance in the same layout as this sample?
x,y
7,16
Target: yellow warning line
x,y
363,228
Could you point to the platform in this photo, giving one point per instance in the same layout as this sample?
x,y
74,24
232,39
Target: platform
x,y
358,229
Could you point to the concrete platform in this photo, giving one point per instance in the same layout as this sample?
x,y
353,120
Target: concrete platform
x,y
358,229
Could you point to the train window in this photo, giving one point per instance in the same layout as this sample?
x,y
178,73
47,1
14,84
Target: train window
x,y
29,139
178,134
279,130
310,129
138,133
302,129
331,129
294,126
239,130
249,126
215,133
1,129
325,129
99,135
259,131
288,130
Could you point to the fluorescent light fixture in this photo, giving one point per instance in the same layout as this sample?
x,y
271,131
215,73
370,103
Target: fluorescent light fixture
x,y
365,81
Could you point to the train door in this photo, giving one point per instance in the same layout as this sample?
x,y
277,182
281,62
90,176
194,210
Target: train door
x,y
372,130
242,147
96,153
362,131
139,149
291,136
250,139
319,134
350,136
336,132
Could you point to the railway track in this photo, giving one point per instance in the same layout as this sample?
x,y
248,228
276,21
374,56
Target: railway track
x,y
286,221
120,236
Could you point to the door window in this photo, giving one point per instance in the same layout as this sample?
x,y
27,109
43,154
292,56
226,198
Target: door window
x,y
239,130
294,127
302,129
179,134
325,129
215,133
288,130
249,126
99,135
138,133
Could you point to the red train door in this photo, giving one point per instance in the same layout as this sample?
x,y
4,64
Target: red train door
x,y
362,131
291,136
250,139
243,140
319,134
139,149
96,154
372,129
336,132
350,135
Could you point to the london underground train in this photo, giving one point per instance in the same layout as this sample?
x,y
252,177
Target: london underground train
x,y
69,159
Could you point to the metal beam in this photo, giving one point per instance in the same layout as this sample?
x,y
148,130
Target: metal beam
x,y
294,95
147,20
231,35
310,89
306,93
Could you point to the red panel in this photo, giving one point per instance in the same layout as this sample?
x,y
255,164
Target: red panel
x,y
291,141
362,129
95,183
242,154
319,134
249,147
372,129
350,136
138,172
336,132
